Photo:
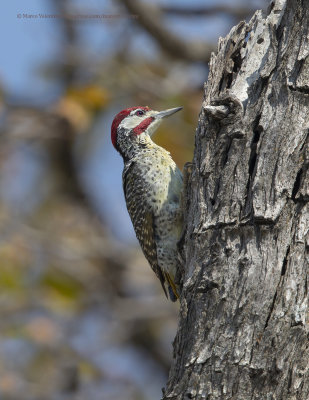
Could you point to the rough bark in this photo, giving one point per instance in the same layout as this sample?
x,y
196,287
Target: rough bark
x,y
243,329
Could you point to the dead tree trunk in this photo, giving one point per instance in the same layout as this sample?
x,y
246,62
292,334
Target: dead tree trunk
x,y
243,332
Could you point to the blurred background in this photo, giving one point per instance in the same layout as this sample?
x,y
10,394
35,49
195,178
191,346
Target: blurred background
x,y
82,315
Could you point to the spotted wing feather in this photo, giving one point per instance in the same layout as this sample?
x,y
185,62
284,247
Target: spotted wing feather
x,y
142,217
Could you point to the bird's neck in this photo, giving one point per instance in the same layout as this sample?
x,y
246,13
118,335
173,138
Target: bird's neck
x,y
140,149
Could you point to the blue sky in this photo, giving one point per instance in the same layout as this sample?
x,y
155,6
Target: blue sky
x,y
29,45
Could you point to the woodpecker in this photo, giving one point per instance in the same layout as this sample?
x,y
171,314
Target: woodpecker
x,y
152,185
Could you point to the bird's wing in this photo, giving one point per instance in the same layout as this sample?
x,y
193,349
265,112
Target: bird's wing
x,y
142,217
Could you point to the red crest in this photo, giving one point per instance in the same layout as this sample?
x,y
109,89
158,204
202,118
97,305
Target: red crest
x,y
117,120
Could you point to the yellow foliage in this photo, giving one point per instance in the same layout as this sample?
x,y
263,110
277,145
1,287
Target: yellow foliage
x,y
92,97
80,104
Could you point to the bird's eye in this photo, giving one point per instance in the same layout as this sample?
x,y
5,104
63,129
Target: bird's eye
x,y
139,112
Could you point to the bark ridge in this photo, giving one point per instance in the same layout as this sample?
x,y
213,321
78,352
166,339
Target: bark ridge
x,y
243,329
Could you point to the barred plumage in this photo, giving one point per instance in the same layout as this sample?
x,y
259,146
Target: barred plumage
x,y
152,186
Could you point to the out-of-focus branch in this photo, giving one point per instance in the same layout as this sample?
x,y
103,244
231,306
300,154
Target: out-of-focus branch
x,y
52,132
149,17
235,12
69,66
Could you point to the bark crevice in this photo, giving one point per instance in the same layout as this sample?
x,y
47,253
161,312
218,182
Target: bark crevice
x,y
243,330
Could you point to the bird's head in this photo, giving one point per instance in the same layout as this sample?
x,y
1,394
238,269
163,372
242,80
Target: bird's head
x,y
133,127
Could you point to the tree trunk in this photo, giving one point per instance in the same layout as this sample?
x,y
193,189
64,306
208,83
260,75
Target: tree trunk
x,y
243,332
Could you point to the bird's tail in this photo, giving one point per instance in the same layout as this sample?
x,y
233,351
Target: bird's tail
x,y
172,289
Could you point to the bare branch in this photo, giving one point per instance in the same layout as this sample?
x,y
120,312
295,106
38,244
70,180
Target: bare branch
x,y
236,12
150,18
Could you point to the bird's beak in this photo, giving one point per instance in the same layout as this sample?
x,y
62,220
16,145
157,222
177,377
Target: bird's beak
x,y
166,113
